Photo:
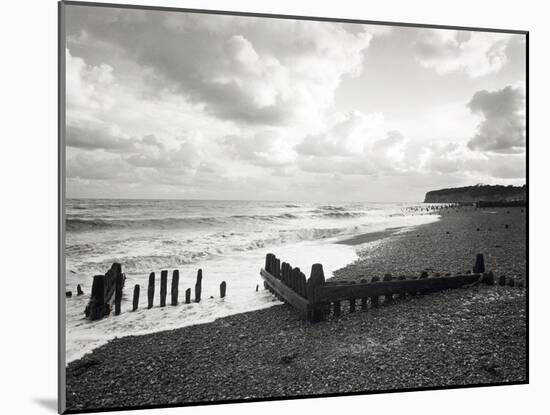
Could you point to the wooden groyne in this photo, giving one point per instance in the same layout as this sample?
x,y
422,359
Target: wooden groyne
x,y
107,292
314,297
317,298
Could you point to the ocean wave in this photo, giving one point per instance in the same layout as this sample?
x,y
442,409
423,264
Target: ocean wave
x,y
336,212
77,224
187,251
81,224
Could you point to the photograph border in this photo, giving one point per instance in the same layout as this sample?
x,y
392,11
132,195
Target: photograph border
x,y
62,192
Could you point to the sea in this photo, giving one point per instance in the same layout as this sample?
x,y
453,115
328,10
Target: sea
x,y
228,240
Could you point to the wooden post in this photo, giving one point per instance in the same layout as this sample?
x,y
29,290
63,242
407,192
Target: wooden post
x,y
337,308
269,263
277,268
401,278
198,286
79,291
135,301
374,301
163,287
294,276
352,305
151,290
188,296
96,307
175,286
364,305
223,286
303,285
479,267
316,312
489,278
502,280
388,298
119,283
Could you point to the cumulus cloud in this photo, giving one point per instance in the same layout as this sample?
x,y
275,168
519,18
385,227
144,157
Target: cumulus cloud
x,y
476,53
266,148
348,136
503,127
267,71
356,144
97,137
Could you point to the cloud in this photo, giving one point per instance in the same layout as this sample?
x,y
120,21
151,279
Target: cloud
x,y
476,53
356,144
97,137
257,71
265,148
503,127
348,136
459,160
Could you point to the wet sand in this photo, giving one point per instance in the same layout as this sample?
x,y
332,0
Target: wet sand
x,y
457,337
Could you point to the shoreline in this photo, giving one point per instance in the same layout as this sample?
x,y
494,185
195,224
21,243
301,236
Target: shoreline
x,y
458,337
84,337
371,236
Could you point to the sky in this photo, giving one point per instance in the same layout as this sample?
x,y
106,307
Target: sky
x,y
199,106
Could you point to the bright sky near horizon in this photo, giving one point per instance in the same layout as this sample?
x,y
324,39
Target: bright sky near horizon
x,y
200,106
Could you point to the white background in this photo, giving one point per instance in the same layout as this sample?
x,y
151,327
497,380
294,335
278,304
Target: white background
x,y
28,151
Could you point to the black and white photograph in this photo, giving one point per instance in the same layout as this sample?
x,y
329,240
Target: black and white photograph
x,y
264,207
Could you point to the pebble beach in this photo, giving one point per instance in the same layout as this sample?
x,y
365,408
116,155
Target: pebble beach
x,y
469,336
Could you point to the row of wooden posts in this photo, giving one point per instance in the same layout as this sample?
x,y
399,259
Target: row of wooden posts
x,y
174,289
107,291
317,298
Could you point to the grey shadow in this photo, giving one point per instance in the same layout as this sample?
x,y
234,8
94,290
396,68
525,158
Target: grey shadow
x,y
48,403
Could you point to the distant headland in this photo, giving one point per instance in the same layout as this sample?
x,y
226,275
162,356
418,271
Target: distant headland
x,y
492,194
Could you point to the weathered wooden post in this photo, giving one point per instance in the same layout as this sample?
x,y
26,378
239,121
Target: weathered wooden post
x,y
389,297
79,291
489,278
223,287
317,278
294,277
119,284
303,285
175,287
374,301
163,287
286,271
151,290
198,286
352,305
401,278
135,301
337,308
277,268
364,305
479,266
269,263
96,307
188,296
